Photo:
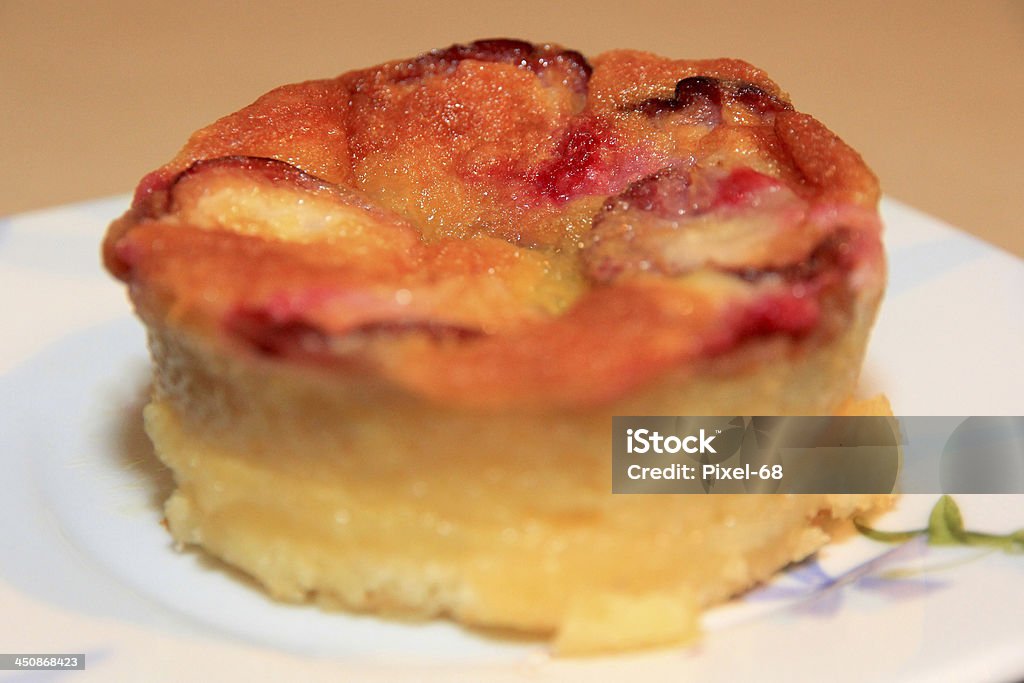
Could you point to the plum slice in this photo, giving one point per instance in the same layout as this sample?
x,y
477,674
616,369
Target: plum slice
x,y
540,59
683,219
701,99
272,199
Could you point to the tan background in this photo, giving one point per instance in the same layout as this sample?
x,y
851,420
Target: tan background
x,y
94,94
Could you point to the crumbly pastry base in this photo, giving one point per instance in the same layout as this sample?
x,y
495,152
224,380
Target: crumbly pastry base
x,y
352,493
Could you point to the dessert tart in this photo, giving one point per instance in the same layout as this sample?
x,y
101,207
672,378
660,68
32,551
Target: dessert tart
x,y
392,313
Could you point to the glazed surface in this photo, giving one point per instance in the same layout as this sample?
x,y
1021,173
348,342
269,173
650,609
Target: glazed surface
x,y
506,225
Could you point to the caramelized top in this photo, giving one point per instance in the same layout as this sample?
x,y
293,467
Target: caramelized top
x,y
505,224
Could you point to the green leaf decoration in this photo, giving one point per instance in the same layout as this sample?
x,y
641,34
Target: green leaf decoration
x,y
1006,543
887,536
946,527
946,524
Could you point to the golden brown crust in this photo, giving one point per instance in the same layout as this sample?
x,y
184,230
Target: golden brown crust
x,y
475,178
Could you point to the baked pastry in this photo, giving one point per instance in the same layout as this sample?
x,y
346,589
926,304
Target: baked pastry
x,y
391,314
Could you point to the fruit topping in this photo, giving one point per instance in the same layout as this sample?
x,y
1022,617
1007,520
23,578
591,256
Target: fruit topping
x,y
539,59
701,100
682,219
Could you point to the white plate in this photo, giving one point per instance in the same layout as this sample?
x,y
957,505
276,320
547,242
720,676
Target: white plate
x,y
85,565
